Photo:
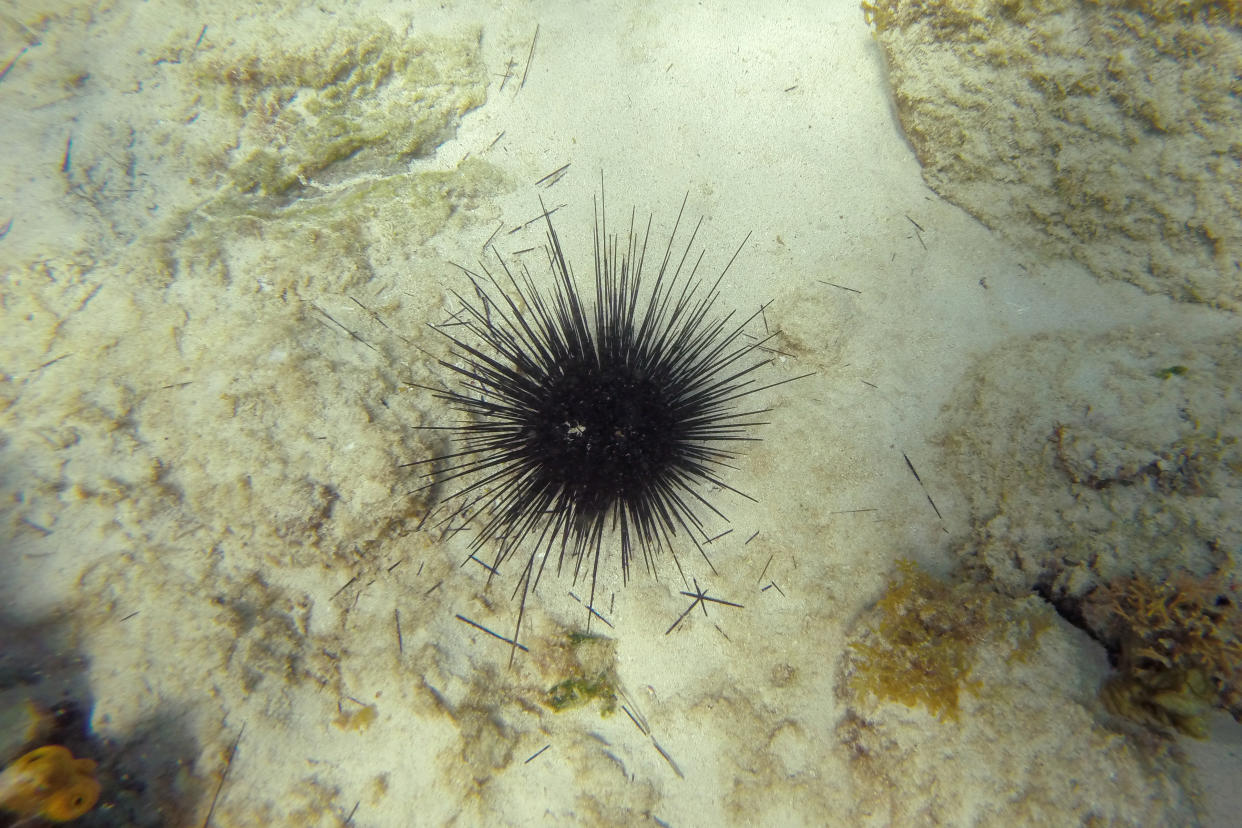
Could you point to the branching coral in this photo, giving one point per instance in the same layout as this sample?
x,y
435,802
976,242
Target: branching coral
x,y
1178,645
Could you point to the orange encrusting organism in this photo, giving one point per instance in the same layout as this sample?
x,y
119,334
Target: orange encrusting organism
x,y
48,782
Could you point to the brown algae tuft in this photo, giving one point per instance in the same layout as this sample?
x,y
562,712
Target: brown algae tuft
x,y
1177,644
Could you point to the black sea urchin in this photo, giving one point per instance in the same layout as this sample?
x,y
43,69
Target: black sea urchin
x,y
595,417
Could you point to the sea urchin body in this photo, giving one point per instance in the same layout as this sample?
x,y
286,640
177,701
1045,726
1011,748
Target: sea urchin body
x,y
594,417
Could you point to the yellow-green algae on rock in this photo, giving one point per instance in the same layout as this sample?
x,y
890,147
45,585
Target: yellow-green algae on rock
x,y
921,643
1103,131
963,706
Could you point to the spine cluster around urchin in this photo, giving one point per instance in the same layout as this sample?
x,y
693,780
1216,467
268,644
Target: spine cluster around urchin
x,y
588,417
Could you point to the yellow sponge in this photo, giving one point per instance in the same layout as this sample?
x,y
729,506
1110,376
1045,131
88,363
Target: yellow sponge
x,y
50,783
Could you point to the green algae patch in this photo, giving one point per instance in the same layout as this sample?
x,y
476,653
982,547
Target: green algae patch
x,y
587,663
921,642
575,692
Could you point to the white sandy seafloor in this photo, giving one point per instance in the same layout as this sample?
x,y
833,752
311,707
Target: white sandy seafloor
x,y
207,536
